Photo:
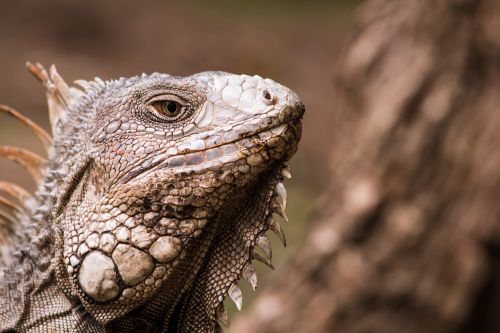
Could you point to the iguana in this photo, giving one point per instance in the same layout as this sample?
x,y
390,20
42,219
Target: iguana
x,y
155,197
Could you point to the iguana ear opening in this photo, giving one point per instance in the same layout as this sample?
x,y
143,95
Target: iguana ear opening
x,y
59,94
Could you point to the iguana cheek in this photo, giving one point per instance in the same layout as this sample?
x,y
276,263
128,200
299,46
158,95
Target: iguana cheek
x,y
97,277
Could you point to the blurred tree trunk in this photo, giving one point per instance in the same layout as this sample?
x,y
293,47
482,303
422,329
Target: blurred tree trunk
x,y
408,235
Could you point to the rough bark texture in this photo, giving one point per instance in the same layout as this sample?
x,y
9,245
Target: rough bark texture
x,y
408,237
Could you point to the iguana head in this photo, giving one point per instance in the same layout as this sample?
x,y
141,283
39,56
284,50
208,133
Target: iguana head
x,y
167,185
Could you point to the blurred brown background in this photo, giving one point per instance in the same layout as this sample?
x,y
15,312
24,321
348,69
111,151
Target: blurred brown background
x,y
400,145
293,42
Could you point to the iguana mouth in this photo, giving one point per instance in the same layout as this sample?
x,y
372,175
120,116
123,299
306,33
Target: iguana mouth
x,y
269,137
275,129
290,118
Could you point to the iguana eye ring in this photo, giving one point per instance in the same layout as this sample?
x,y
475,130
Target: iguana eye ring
x,y
167,108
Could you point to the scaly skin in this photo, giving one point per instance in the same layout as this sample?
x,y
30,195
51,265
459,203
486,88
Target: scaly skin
x,y
145,219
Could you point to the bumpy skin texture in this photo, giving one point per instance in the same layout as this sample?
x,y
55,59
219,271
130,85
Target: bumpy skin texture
x,y
145,219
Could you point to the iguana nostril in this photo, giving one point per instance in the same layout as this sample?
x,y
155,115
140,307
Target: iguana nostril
x,y
268,97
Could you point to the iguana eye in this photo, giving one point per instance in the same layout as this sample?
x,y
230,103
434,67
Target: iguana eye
x,y
168,108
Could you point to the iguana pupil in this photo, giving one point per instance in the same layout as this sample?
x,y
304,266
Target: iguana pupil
x,y
171,108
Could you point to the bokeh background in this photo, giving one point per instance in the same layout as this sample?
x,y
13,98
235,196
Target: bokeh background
x,y
295,43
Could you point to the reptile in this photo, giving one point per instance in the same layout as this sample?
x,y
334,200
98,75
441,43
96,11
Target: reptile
x,y
154,199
